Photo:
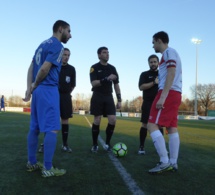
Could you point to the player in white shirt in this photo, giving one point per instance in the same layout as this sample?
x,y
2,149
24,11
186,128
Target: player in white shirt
x,y
170,58
164,110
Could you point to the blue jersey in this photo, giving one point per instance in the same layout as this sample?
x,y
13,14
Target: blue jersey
x,y
51,50
2,101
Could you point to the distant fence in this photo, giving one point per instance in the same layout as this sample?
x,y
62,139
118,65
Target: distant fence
x,y
119,114
14,109
26,109
17,109
189,117
206,118
211,112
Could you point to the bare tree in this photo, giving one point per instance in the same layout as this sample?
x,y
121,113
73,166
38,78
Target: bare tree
x,y
86,102
186,107
206,96
135,104
81,102
16,101
125,106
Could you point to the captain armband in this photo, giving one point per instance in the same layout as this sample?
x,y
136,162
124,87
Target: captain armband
x,y
119,99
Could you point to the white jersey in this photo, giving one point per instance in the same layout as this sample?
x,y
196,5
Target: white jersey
x,y
170,58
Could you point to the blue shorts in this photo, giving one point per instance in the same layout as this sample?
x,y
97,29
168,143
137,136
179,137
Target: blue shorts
x,y
45,109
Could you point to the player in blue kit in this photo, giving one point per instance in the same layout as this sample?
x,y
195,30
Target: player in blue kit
x,y
2,103
67,83
42,82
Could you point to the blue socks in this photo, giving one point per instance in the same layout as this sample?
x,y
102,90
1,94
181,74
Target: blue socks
x,y
49,148
32,141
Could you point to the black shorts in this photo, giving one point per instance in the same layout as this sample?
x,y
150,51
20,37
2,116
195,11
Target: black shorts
x,y
102,105
146,107
66,110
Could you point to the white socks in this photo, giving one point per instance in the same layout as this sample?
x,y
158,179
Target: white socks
x,y
160,145
174,143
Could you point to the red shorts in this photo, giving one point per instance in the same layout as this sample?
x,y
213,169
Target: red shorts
x,y
168,116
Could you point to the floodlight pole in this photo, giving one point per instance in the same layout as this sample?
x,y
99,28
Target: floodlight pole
x,y
196,42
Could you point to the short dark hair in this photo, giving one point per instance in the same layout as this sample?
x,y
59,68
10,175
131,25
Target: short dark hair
x,y
59,23
99,51
163,36
66,49
153,56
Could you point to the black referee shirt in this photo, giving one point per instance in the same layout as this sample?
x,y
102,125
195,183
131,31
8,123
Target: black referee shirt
x,y
67,79
98,72
147,77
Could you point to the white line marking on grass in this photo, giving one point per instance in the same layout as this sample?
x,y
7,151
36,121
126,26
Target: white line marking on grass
x,y
129,181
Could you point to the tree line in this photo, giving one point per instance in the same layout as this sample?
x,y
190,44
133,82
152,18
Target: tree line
x,y
205,100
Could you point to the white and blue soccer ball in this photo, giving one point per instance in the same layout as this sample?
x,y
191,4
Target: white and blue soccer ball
x,y
120,149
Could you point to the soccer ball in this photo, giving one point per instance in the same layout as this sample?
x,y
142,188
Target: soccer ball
x,y
120,149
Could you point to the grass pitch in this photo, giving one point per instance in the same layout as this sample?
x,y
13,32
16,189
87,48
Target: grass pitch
x,y
95,174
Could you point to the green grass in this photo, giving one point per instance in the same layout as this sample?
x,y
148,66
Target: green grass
x,y
89,173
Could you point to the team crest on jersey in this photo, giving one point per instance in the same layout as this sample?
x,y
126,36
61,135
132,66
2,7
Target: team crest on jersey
x,y
67,79
91,70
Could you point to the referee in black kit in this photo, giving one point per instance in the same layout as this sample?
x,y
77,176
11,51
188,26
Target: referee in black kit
x,y
148,83
102,76
67,83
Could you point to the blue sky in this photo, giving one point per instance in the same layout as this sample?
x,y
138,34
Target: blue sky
x,y
126,27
